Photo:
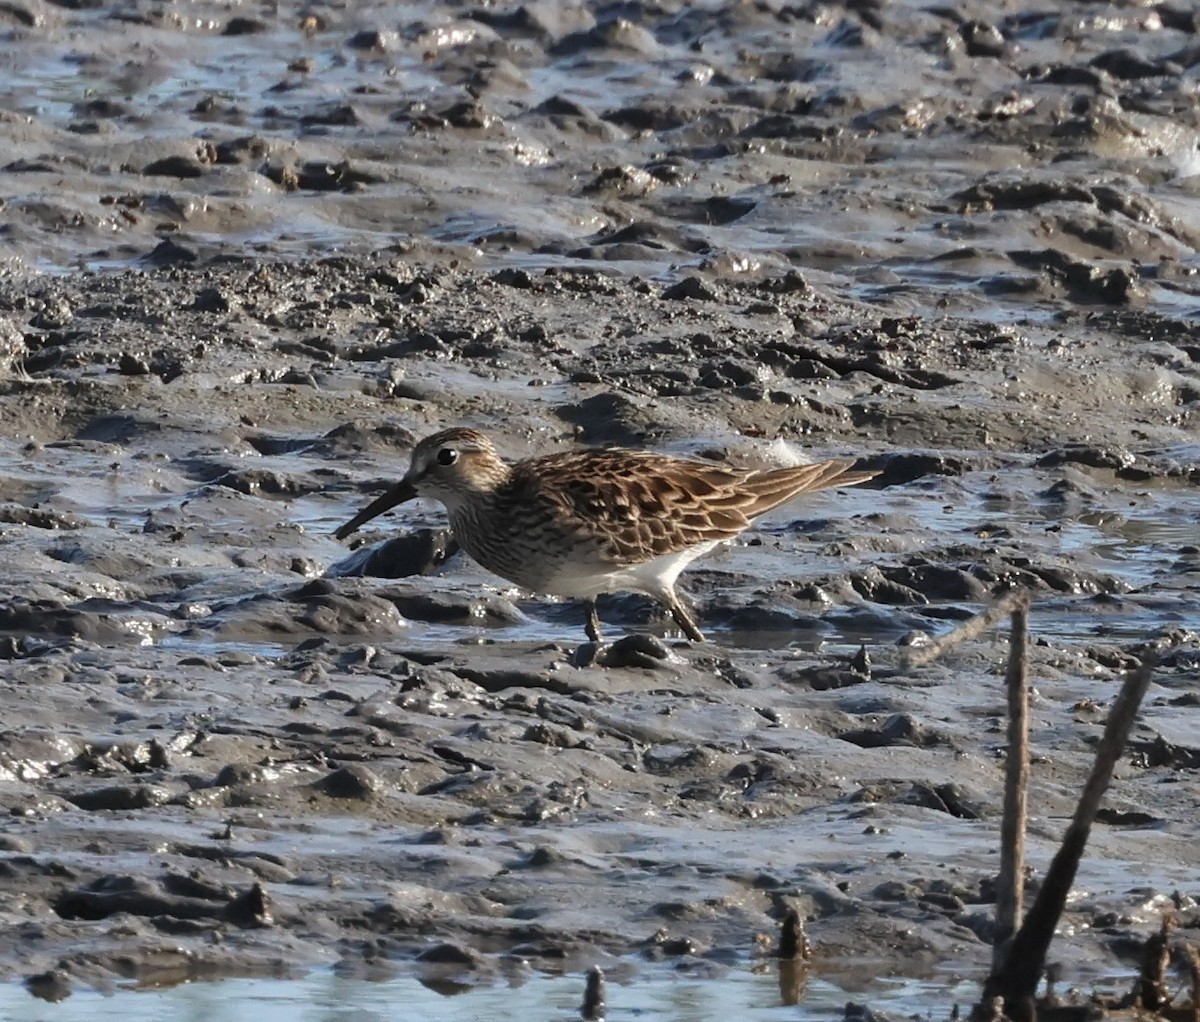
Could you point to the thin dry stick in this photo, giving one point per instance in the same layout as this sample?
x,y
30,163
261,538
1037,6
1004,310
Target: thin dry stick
x,y
970,628
1193,961
1010,884
793,955
1150,991
1016,981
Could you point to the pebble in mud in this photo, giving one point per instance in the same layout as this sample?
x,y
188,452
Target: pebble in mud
x,y
52,986
645,651
416,553
352,781
236,774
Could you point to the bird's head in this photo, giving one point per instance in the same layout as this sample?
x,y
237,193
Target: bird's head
x,y
450,466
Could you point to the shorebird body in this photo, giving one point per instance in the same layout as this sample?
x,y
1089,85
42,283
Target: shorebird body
x,y
587,522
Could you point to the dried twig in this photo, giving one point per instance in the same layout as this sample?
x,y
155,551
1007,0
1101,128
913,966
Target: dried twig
x,y
969,629
1010,884
1151,990
793,954
793,941
1016,980
1193,960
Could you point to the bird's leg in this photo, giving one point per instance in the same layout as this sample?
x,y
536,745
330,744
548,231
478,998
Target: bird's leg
x,y
593,622
682,618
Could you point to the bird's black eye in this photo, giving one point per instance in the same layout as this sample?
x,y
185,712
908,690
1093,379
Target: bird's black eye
x,y
447,456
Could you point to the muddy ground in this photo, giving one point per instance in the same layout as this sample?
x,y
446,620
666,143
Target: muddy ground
x,y
958,249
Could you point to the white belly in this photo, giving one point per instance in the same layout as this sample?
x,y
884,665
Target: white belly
x,y
654,577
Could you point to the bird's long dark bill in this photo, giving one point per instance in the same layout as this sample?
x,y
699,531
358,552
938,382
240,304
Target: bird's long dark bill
x,y
387,500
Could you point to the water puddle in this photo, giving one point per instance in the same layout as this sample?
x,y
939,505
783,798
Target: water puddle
x,y
325,996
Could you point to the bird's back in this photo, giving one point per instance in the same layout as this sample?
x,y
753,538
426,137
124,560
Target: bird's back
x,y
632,506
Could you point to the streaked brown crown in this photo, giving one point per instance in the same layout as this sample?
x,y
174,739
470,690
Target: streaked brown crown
x,y
455,463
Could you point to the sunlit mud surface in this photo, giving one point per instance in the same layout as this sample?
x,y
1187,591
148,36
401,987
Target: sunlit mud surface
x,y
251,256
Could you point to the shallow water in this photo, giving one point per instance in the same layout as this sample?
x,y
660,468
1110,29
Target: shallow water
x,y
327,997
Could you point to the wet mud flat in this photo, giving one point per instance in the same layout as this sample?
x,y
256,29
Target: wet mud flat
x,y
957,244
226,751
958,156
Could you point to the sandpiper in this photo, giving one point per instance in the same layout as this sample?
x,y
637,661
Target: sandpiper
x,y
587,522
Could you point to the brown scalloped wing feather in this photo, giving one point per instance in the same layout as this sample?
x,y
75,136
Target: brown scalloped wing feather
x,y
639,505
776,486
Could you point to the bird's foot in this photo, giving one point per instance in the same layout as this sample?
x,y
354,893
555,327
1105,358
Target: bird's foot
x,y
687,624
